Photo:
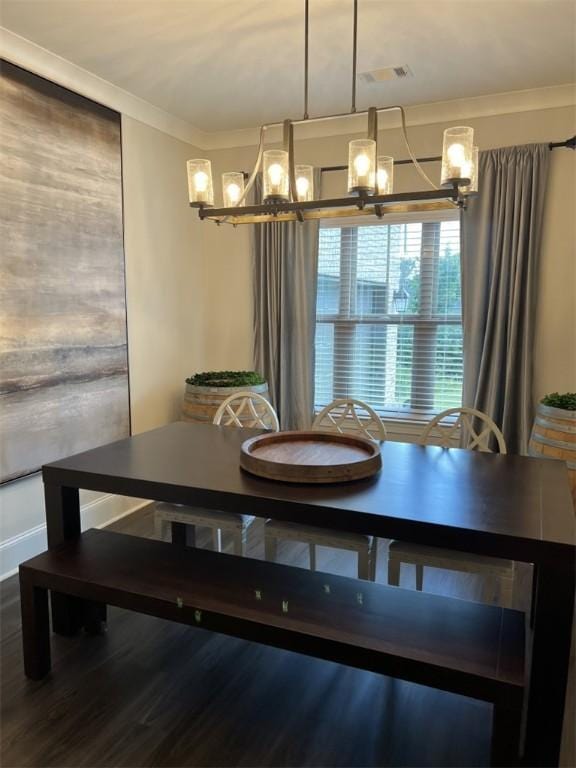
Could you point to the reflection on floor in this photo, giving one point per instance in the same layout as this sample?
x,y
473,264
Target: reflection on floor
x,y
152,693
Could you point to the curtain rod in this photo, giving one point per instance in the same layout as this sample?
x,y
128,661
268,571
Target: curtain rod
x,y
569,144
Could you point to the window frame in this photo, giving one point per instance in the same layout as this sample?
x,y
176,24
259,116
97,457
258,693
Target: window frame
x,y
425,323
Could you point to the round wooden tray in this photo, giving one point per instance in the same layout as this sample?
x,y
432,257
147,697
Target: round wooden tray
x,y
310,457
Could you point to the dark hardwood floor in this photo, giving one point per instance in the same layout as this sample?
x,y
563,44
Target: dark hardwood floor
x,y
153,693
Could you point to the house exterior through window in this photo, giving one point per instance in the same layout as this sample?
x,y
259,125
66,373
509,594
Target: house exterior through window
x,y
389,320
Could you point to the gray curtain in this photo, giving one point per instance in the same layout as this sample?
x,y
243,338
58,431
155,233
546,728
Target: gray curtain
x,y
501,232
285,282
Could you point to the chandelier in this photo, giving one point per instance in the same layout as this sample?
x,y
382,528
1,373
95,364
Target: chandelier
x,y
288,188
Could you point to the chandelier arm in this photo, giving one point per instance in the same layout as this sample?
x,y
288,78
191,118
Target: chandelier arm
x,y
413,157
251,180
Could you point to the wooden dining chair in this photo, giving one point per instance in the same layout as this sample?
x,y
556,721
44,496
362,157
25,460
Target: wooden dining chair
x,y
475,431
445,429
247,409
242,409
346,417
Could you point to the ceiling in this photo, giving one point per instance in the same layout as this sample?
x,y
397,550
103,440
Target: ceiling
x,y
231,64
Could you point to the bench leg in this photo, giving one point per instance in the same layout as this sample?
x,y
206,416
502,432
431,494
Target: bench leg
x,y
35,630
506,729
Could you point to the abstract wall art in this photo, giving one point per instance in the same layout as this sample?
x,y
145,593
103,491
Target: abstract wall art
x,y
63,339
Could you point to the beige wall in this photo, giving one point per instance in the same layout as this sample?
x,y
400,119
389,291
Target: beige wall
x,y
165,273
229,263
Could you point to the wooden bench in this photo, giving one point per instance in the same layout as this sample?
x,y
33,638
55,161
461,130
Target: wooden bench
x,y
467,648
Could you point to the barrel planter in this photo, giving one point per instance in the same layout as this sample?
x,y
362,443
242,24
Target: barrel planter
x,y
201,403
554,437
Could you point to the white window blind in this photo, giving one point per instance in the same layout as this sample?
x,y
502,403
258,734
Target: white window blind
x,y
388,325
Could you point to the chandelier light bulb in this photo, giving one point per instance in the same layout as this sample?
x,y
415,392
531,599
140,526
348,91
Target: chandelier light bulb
x,y
234,192
201,181
456,154
362,164
302,186
275,173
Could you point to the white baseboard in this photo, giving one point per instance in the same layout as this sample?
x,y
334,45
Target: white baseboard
x,y
95,514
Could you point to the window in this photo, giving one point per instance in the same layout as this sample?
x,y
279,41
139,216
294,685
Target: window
x,y
388,324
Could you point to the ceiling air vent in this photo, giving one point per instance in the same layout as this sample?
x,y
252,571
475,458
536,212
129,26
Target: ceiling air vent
x,y
387,73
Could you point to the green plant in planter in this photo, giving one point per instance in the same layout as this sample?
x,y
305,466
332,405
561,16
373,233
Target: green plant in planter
x,y
225,379
566,401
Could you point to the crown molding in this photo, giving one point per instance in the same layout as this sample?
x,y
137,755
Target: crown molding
x,y
26,54
550,97
42,62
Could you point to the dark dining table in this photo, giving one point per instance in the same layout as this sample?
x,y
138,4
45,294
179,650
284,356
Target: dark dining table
x,y
510,507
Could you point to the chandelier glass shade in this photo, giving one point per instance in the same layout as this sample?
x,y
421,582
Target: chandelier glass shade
x,y
276,175
457,156
362,166
200,189
385,175
233,189
288,188
472,188
304,183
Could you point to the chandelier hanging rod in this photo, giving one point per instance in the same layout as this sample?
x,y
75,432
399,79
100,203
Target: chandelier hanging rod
x,y
336,116
354,55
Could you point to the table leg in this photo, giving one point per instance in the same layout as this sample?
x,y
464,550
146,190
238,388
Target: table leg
x,y
548,674
506,728
62,524
183,535
94,617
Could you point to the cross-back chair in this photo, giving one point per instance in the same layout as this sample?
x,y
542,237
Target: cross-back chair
x,y
346,416
444,430
242,409
349,416
247,409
